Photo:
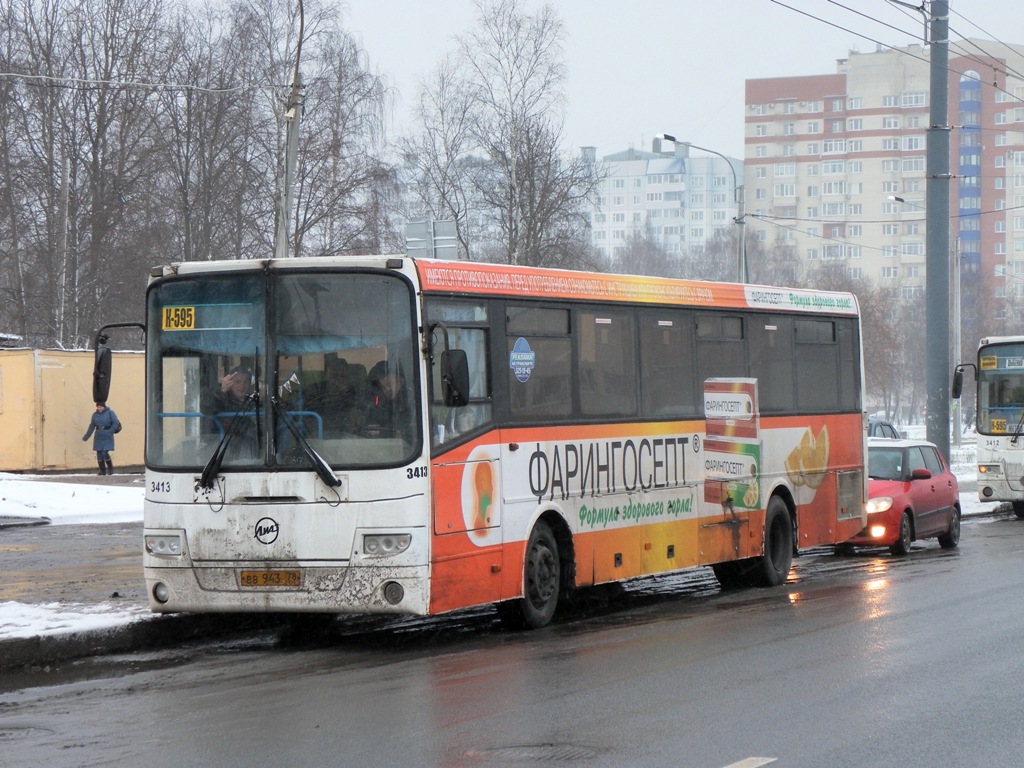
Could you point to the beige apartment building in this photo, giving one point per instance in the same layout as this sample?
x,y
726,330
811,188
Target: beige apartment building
x,y
835,170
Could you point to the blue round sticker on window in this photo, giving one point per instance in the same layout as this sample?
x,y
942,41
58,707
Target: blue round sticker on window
x,y
522,359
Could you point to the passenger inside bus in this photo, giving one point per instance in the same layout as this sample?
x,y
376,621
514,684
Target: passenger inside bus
x,y
389,409
339,397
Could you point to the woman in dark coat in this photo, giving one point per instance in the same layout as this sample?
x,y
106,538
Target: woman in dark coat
x,y
105,424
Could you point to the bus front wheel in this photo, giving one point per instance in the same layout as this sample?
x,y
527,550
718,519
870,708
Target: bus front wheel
x,y
541,583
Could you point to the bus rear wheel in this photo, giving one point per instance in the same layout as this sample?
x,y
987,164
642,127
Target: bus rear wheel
x,y
542,580
772,568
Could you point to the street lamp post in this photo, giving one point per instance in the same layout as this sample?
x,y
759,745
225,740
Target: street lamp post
x,y
741,248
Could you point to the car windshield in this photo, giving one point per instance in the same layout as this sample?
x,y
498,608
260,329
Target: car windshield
x,y
885,463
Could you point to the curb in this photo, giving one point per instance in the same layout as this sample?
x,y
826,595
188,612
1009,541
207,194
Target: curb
x,y
151,633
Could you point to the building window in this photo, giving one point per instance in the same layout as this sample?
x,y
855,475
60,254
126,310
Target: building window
x,y
891,123
913,143
890,272
855,124
890,229
814,127
914,99
760,130
890,101
812,148
760,151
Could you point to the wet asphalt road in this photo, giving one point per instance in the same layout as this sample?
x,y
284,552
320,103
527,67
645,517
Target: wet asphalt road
x,y
861,660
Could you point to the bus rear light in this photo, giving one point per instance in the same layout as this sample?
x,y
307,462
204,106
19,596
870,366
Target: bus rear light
x,y
386,543
163,546
394,592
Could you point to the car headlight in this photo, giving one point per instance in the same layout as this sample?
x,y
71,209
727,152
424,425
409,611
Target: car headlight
x,y
878,504
386,543
164,545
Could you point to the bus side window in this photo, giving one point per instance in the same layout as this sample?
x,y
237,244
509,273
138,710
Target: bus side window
x,y
447,423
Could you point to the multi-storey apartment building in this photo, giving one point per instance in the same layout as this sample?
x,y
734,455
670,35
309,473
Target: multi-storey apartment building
x,y
674,197
835,167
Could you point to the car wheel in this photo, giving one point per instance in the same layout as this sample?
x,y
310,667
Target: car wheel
x,y
951,537
902,545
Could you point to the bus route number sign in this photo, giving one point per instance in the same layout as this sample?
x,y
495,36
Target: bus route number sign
x,y
178,319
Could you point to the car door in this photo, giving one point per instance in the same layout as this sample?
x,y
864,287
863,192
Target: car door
x,y
946,490
926,500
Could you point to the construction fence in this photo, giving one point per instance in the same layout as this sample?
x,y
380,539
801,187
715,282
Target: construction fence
x,y
46,404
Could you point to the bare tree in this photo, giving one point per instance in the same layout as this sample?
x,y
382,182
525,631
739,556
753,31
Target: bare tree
x,y
440,156
495,114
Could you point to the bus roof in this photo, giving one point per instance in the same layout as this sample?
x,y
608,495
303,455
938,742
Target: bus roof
x,y
476,278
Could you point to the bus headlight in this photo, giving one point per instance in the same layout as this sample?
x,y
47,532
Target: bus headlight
x,y
164,545
989,469
386,543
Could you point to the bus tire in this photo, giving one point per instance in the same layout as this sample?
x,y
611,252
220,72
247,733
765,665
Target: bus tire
x,y
729,575
541,583
772,567
1018,508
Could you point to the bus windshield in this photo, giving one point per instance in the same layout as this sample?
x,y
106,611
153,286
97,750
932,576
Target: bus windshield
x,y
1001,389
261,368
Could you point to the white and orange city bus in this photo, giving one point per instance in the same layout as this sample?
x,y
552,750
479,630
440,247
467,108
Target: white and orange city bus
x,y
392,435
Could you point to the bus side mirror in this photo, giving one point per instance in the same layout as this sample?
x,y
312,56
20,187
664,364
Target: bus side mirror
x,y
455,377
958,382
101,375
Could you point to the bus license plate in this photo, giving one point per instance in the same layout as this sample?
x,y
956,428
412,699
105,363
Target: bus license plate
x,y
270,579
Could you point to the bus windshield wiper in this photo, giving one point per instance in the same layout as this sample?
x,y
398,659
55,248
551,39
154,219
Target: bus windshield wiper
x,y
322,468
1017,431
213,465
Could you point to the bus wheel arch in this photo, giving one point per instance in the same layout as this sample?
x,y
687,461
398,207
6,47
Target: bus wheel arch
x,y
548,575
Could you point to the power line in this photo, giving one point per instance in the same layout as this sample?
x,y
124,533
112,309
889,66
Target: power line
x,y
897,49
70,82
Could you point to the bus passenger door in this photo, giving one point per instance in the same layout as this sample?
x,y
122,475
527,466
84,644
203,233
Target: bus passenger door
x,y
466,557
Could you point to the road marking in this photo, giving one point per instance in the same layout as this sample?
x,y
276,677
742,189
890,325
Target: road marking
x,y
753,762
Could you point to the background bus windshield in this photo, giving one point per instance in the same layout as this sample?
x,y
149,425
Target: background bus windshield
x,y
1001,389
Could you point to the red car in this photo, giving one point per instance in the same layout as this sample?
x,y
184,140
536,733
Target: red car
x,y
912,495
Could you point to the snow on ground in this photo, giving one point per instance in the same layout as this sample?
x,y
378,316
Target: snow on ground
x,y
64,503
82,503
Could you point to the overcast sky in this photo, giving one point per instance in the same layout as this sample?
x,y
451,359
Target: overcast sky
x,y
638,69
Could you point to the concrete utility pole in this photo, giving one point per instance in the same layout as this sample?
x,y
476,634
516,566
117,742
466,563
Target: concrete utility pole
x,y
937,360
